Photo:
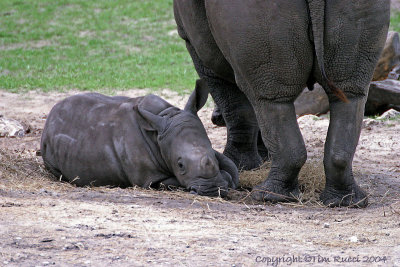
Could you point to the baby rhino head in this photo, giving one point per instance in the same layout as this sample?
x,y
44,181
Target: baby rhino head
x,y
187,151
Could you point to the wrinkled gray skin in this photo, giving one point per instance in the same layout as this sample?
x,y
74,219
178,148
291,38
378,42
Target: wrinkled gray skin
x,y
144,141
257,56
218,119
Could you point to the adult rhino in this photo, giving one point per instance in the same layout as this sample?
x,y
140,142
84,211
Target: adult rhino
x,y
257,56
92,139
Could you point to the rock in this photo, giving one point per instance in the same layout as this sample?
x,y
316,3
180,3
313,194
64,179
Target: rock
x,y
390,57
10,128
390,114
383,95
313,102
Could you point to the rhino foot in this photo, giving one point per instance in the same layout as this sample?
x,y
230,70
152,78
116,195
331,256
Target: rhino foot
x,y
276,191
217,118
353,196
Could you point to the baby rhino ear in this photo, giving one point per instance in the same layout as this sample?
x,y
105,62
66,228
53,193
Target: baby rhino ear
x,y
198,98
149,108
156,122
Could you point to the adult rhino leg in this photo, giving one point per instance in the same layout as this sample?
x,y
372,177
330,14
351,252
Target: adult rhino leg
x,y
351,53
272,57
283,138
241,124
238,114
343,134
218,119
262,149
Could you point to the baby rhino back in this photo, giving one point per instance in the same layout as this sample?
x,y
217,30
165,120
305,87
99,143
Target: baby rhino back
x,y
80,134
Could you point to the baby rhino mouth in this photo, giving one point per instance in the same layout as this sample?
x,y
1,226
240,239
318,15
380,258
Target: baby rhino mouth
x,y
212,187
209,192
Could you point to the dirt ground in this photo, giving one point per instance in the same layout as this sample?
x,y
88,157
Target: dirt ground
x,y
47,222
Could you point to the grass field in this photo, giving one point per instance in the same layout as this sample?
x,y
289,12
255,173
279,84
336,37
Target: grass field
x,y
98,45
91,45
395,21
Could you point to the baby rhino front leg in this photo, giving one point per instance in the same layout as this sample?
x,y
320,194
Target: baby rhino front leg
x,y
283,138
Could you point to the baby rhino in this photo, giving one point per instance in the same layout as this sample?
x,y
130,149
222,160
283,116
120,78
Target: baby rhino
x,y
97,140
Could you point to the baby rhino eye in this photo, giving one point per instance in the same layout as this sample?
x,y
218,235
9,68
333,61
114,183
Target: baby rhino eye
x,y
181,166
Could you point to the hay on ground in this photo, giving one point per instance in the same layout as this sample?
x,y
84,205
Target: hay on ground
x,y
311,179
23,170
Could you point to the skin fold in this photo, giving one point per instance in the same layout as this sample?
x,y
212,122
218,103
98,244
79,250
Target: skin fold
x,y
96,140
257,56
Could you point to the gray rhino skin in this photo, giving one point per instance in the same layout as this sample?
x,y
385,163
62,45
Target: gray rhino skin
x,y
257,56
92,139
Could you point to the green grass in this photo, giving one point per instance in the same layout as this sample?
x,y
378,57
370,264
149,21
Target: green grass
x,y
395,21
101,45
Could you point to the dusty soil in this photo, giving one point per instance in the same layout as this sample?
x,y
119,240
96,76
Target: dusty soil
x,y
395,5
47,222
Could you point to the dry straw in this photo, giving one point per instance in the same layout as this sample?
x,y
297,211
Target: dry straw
x,y
25,171
311,180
